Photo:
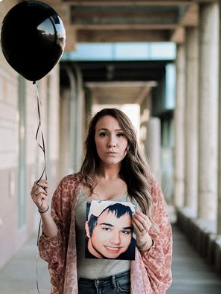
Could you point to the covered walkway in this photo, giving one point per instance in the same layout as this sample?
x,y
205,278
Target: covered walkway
x,y
177,101
191,274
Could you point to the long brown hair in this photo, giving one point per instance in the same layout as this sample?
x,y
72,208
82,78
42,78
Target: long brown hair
x,y
134,168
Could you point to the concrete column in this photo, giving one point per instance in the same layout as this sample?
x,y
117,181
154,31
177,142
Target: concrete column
x,y
64,133
153,147
179,172
219,138
191,118
79,114
72,120
208,104
76,119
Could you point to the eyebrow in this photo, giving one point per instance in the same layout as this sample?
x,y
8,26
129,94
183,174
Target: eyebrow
x,y
104,129
110,225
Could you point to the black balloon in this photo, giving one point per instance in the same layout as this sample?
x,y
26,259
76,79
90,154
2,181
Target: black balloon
x,y
32,39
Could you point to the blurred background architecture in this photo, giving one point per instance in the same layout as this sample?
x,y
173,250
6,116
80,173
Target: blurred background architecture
x,y
159,61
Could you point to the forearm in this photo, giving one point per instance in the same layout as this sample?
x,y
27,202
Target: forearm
x,y
145,244
49,226
157,261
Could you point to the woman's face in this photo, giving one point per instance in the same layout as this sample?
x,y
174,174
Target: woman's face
x,y
110,141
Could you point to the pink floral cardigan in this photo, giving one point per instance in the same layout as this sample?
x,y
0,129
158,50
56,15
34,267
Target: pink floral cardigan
x,y
150,272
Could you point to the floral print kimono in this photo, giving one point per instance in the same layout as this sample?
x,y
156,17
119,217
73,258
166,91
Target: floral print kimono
x,y
150,271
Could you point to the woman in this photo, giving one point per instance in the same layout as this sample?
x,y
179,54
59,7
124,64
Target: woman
x,y
113,169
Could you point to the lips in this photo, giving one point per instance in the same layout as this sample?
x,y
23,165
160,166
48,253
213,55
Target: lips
x,y
113,249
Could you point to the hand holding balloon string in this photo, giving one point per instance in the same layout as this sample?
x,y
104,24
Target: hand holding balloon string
x,y
39,194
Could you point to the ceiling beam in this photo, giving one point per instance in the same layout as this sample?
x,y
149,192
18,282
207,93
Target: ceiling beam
x,y
120,16
121,27
121,84
133,3
106,36
128,3
152,31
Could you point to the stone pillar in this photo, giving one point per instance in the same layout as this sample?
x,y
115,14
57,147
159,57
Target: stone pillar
x,y
208,104
72,121
79,118
64,133
219,138
76,119
191,118
179,151
153,147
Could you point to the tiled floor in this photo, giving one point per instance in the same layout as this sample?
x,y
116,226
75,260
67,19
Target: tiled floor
x,y
191,274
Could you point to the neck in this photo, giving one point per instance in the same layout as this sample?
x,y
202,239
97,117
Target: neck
x,y
108,172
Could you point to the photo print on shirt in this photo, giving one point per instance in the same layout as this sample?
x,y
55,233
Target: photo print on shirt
x,y
109,231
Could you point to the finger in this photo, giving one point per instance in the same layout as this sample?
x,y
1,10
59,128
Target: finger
x,y
140,220
41,182
36,190
143,219
136,228
33,189
40,189
43,185
142,228
40,200
38,193
142,215
137,225
39,197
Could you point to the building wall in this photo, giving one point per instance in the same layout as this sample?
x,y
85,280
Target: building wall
x,y
18,148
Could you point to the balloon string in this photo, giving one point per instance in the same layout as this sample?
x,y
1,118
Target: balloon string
x,y
42,146
37,258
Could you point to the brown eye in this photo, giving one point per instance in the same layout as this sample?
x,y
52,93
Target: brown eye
x,y
103,134
120,135
126,232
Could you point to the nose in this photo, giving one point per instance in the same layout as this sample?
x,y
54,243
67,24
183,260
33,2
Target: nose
x,y
111,145
112,142
115,238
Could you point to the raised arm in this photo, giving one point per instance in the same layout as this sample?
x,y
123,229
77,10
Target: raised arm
x,y
39,194
53,245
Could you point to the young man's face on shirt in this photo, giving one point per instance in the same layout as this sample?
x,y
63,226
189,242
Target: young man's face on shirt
x,y
111,235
